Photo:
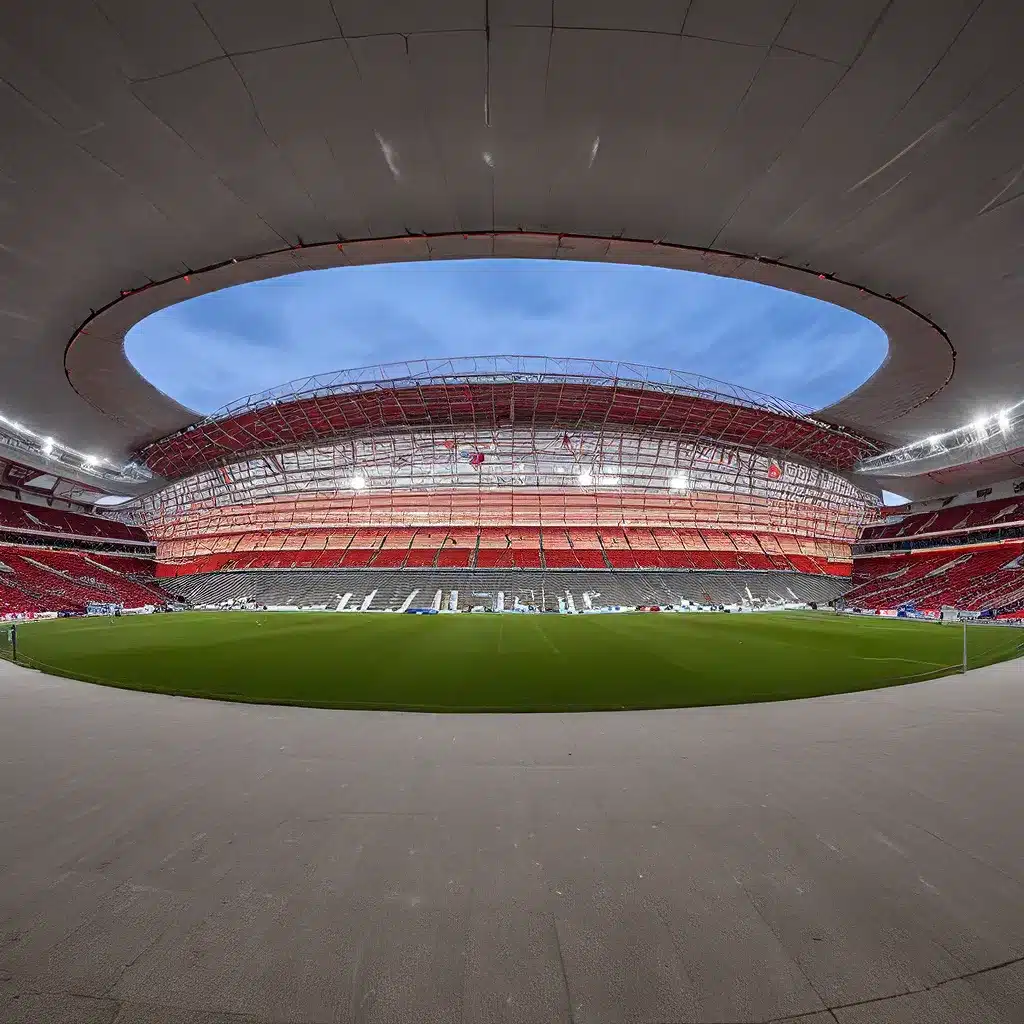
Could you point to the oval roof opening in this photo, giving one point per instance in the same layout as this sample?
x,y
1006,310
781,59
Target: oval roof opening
x,y
212,349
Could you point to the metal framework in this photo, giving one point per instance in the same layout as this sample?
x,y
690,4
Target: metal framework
x,y
586,480
507,369
509,442
486,393
18,440
990,435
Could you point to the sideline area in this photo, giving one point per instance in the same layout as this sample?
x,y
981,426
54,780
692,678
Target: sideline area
x,y
166,859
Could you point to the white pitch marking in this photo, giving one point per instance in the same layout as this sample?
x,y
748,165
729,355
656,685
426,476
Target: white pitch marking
x,y
909,661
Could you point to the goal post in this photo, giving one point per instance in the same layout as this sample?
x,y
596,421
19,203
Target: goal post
x,y
950,616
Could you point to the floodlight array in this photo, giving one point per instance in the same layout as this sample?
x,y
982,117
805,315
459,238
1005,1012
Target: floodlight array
x,y
986,435
59,456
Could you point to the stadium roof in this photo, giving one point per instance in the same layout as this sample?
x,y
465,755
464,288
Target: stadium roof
x,y
863,153
483,393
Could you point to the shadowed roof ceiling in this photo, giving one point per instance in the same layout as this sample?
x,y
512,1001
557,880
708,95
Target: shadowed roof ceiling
x,y
874,143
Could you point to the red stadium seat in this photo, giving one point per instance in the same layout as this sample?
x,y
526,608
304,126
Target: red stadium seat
x,y
42,579
972,578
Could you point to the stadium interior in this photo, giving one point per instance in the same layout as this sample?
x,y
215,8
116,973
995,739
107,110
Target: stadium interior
x,y
506,483
827,847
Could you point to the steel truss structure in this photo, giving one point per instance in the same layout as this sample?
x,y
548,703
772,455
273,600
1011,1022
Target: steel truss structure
x,y
20,442
516,476
507,369
487,393
987,436
504,441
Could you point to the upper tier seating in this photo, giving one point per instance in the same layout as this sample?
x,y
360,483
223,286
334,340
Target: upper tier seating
x,y
956,518
23,517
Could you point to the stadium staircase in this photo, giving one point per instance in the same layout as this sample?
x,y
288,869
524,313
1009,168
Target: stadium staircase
x,y
132,581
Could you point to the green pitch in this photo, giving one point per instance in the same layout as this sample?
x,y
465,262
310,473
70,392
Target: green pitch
x,y
504,662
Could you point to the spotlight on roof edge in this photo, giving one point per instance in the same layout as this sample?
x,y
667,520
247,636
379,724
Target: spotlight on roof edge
x,y
679,482
586,479
63,454
982,431
358,482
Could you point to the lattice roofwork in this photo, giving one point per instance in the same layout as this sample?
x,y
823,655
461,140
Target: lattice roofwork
x,y
480,394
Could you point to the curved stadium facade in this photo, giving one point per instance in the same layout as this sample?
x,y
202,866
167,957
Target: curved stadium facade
x,y
489,481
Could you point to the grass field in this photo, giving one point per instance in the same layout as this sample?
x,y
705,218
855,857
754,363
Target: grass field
x,y
504,662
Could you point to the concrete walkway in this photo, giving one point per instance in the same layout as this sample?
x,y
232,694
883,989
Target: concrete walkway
x,y
849,859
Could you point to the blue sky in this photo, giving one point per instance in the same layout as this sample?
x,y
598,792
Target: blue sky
x,y
213,349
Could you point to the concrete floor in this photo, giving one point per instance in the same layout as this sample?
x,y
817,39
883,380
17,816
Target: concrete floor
x,y
850,859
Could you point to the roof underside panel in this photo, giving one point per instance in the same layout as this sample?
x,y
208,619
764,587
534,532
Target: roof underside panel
x,y
875,143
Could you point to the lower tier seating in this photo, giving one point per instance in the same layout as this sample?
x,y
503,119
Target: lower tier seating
x,y
49,580
381,589
511,548
988,578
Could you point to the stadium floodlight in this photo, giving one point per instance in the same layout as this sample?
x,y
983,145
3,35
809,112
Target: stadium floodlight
x,y
586,478
980,425
608,480
358,482
47,445
935,441
679,482
1004,421
89,460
